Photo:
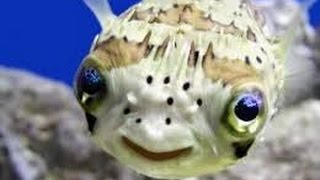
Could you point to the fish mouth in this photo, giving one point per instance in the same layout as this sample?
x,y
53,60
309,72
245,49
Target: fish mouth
x,y
155,156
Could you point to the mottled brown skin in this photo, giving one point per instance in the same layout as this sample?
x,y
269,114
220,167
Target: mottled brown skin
x,y
232,73
185,14
115,53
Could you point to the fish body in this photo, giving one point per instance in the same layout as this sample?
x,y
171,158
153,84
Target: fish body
x,y
180,88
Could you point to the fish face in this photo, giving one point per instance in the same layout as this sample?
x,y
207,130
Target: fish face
x,y
163,124
173,91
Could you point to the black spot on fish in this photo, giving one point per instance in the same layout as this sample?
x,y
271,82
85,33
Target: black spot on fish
x,y
241,148
148,50
186,86
247,60
259,60
166,80
126,111
168,121
199,102
170,101
138,121
91,120
195,57
149,79
224,84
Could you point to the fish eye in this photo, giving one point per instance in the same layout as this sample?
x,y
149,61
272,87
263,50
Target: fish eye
x,y
246,113
90,87
91,80
247,107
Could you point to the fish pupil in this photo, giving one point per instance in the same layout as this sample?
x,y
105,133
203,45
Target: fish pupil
x,y
91,81
247,108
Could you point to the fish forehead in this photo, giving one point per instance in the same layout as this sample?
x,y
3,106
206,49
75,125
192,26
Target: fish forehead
x,y
222,36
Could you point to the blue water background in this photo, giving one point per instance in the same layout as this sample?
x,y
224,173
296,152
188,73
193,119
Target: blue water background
x,y
51,38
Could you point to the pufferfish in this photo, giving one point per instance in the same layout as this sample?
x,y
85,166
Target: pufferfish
x,y
180,88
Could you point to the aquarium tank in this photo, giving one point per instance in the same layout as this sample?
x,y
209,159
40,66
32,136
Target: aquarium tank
x,y
191,97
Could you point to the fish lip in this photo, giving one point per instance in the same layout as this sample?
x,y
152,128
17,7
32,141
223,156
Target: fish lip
x,y
155,156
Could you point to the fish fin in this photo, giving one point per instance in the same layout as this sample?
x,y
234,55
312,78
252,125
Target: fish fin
x,y
295,48
283,42
102,11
